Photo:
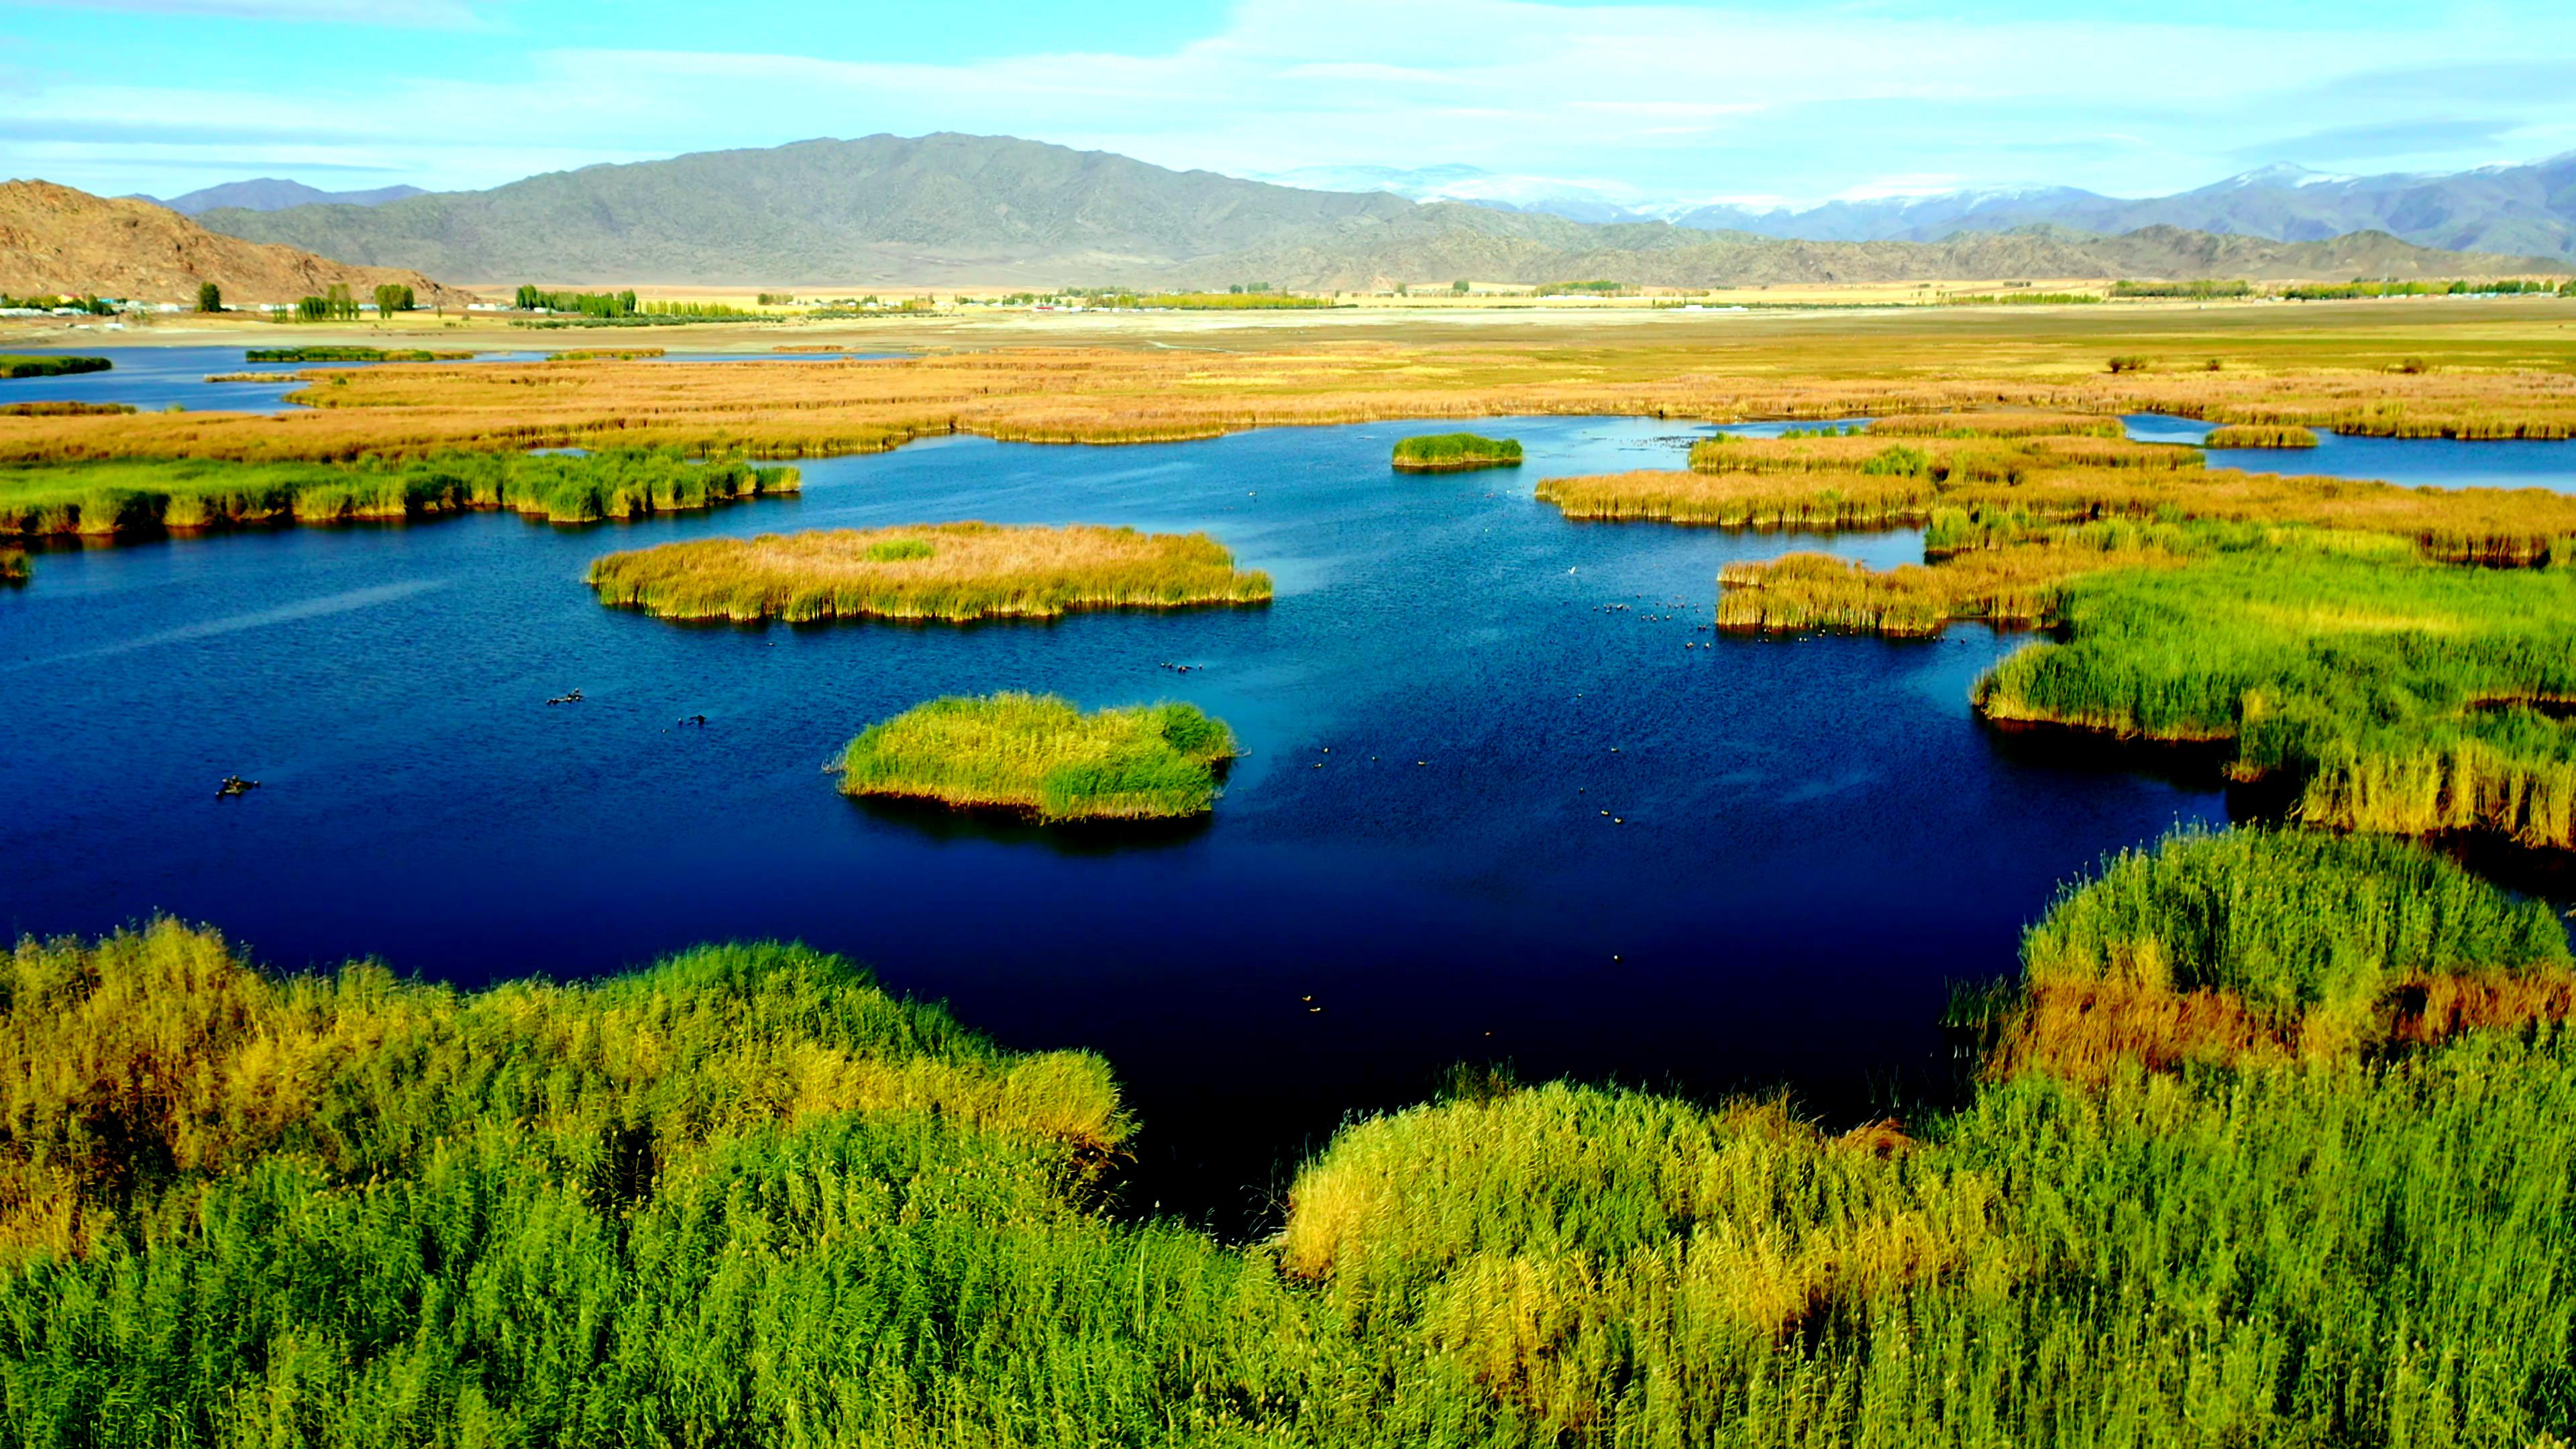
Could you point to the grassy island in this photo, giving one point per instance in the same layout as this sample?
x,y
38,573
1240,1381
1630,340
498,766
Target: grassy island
x,y
127,499
1455,452
1039,754
2266,1119
2260,435
950,572
254,377
21,364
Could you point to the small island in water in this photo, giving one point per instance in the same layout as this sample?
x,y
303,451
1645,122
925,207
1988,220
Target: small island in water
x,y
1455,452
950,572
1039,754
23,364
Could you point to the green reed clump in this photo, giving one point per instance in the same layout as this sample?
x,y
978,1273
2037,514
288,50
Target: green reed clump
x,y
20,364
2287,921
13,566
952,572
123,498
1040,754
2401,696
2259,435
1998,425
1453,452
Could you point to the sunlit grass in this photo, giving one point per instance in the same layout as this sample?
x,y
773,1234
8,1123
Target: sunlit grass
x,y
1039,754
1455,452
944,571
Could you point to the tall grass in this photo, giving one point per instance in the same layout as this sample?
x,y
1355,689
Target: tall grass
x,y
2398,695
122,499
1455,452
65,410
944,571
2259,435
13,566
1039,754
1998,425
49,364
350,353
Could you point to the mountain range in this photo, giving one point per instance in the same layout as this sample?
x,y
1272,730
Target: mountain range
x,y
2520,210
950,209
269,193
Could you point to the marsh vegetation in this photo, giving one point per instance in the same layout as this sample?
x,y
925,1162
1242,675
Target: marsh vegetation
x,y
2319,1116
2257,435
1040,755
1455,452
126,499
950,572
49,365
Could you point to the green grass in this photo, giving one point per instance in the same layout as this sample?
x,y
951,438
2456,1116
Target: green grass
x,y
2287,921
146,495
2397,694
1040,754
22,364
1454,452
744,1197
949,572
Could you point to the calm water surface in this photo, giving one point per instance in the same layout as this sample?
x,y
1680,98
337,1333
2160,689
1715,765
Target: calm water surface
x,y
1807,839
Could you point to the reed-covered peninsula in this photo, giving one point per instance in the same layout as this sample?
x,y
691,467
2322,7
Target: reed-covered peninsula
x,y
948,572
49,364
1455,453
145,496
2260,435
1039,755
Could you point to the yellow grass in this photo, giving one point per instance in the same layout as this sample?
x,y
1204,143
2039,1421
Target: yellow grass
x,y
944,571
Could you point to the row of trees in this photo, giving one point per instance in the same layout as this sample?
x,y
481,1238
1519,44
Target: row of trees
x,y
586,304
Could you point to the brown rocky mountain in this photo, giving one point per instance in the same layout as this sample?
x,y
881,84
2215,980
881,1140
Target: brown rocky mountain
x,y
983,209
54,240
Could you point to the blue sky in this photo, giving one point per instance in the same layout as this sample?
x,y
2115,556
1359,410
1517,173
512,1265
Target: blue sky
x,y
1658,102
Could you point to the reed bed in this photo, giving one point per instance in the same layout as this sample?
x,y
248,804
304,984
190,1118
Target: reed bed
x,y
20,364
2311,374
65,410
1040,755
254,377
1455,452
13,566
2219,949
771,1204
350,354
1998,425
949,572
608,354
1744,500
129,499
2259,435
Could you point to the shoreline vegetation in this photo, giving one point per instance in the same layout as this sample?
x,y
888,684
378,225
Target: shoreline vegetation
x,y
2278,371
351,353
1040,755
13,566
65,410
15,365
943,572
2258,435
2265,1116
123,500
1455,453
2397,659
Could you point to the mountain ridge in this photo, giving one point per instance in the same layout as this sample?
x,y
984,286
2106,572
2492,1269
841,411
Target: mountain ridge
x,y
58,241
952,208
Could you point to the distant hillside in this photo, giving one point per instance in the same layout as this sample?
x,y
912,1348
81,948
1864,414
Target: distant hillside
x,y
2514,210
951,208
268,193
57,240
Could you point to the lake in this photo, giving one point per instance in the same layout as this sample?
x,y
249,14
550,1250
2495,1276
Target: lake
x,y
1509,798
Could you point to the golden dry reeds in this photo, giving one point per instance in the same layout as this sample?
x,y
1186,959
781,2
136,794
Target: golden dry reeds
x,y
951,572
